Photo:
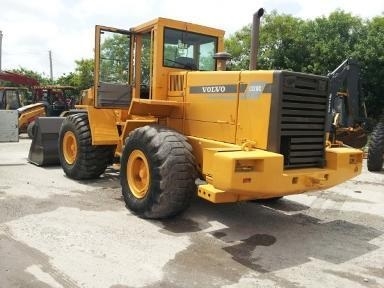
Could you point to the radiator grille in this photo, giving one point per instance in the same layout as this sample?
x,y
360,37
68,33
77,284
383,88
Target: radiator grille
x,y
303,120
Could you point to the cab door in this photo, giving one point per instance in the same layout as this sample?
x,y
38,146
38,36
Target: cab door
x,y
112,67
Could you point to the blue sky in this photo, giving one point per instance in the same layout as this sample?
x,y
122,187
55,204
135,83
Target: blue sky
x,y
66,27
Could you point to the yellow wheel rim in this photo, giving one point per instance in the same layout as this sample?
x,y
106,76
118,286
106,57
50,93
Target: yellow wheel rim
x,y
138,174
70,147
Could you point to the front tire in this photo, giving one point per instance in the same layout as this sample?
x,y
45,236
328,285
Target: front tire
x,y
79,159
157,172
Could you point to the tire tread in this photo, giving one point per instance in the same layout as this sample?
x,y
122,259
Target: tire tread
x,y
376,148
173,172
92,160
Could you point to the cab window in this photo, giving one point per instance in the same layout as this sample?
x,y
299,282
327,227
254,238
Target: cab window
x,y
187,50
114,57
12,99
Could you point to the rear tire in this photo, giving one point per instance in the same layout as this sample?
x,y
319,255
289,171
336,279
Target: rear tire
x,y
376,148
79,159
157,172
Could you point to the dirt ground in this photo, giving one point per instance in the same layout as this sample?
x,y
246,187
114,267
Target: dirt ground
x,y
57,232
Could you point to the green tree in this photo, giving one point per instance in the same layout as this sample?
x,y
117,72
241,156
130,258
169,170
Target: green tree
x,y
238,45
83,76
283,43
330,40
370,54
114,58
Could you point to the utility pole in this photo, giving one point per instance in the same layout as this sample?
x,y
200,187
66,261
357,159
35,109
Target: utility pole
x,y
50,65
1,43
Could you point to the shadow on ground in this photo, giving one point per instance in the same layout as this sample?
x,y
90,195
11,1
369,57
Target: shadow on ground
x,y
262,238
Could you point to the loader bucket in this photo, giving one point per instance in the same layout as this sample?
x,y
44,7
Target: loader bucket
x,y
44,148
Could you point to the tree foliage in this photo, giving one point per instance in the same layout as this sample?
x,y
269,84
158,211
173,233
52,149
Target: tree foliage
x,y
318,46
82,77
283,43
370,53
114,58
238,45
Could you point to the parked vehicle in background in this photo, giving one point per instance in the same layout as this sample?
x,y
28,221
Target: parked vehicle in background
x,y
347,114
34,101
17,98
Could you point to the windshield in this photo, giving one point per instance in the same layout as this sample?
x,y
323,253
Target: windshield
x,y
187,50
12,99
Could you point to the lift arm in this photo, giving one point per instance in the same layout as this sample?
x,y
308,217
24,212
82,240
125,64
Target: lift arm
x,y
346,75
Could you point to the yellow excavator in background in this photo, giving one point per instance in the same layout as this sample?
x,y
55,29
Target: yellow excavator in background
x,y
181,125
16,98
35,101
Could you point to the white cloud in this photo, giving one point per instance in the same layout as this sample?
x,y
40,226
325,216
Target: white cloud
x,y
32,28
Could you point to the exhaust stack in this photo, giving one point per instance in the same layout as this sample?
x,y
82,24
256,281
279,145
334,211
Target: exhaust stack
x,y
255,38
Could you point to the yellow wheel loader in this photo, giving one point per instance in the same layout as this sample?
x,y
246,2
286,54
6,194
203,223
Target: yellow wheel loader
x,y
48,100
15,98
181,125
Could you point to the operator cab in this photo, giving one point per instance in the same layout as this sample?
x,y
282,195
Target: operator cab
x,y
12,98
136,63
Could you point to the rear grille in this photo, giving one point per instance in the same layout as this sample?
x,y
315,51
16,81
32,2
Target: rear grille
x,y
303,120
